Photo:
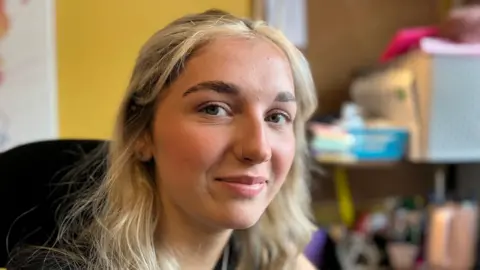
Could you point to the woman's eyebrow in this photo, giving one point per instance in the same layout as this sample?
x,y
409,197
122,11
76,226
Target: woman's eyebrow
x,y
285,97
217,86
232,89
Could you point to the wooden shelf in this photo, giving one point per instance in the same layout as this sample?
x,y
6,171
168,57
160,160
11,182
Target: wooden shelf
x,y
363,164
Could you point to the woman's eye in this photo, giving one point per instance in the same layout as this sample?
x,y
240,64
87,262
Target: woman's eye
x,y
278,118
215,110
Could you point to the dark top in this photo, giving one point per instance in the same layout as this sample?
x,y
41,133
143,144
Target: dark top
x,y
232,258
29,259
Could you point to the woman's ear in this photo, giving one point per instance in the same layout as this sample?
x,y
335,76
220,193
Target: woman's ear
x,y
144,148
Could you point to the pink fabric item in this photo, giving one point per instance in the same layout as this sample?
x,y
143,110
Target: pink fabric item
x,y
405,40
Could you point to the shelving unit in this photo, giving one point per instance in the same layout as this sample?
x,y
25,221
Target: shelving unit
x,y
440,174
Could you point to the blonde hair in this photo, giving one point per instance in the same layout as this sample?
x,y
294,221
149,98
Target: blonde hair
x,y
122,209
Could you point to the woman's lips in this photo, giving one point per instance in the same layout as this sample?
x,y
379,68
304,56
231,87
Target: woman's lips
x,y
243,179
243,186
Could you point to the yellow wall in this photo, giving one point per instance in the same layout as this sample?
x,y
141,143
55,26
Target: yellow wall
x,y
97,42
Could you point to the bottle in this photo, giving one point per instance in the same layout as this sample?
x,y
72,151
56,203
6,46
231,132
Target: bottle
x,y
351,117
441,217
463,236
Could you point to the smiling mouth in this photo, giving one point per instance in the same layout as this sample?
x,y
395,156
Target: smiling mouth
x,y
244,180
245,187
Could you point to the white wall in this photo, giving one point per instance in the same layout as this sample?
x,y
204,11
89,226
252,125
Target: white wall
x,y
28,98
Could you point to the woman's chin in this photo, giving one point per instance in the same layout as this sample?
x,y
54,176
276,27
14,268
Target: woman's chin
x,y
240,219
239,224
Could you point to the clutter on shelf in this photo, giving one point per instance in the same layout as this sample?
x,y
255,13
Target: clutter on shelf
x,y
423,85
354,138
408,233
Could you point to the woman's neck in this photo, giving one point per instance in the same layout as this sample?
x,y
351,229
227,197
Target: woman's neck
x,y
195,245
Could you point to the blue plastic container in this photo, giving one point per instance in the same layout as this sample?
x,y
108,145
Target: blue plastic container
x,y
379,143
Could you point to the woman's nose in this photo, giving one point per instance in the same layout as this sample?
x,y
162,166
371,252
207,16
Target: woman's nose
x,y
252,145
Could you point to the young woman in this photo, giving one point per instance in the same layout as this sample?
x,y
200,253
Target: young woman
x,y
207,166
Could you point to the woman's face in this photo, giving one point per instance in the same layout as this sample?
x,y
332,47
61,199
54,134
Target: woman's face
x,y
223,137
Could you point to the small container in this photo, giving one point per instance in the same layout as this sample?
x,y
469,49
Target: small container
x,y
402,255
379,143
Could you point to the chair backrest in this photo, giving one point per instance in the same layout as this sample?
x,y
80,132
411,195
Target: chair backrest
x,y
30,190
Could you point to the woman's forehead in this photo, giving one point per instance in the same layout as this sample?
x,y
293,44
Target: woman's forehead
x,y
253,64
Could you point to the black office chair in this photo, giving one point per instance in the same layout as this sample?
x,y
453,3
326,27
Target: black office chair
x,y
32,188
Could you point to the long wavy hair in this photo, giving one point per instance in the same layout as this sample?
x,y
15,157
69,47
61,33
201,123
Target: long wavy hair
x,y
112,224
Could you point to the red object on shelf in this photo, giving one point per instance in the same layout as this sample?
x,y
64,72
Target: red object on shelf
x,y
405,40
